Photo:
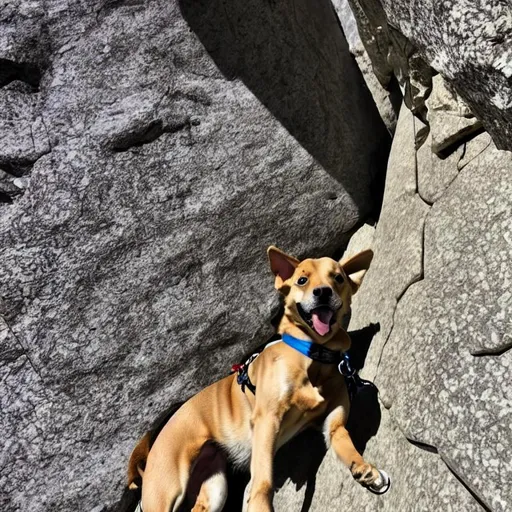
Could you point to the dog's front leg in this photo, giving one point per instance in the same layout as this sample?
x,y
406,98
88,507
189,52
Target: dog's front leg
x,y
338,437
265,430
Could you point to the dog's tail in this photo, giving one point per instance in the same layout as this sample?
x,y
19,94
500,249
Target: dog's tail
x,y
139,456
137,462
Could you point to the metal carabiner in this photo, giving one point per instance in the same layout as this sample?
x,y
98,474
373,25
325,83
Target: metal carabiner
x,y
345,366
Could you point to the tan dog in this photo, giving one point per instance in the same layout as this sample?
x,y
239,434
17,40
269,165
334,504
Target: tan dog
x,y
187,462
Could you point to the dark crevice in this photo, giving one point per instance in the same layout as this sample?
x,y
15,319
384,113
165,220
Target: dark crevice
x,y
428,203
22,71
5,198
110,5
472,132
421,136
149,133
476,156
432,449
416,167
473,493
415,280
422,446
24,352
404,291
15,168
498,351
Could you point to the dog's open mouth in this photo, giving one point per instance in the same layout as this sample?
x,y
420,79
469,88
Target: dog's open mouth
x,y
320,318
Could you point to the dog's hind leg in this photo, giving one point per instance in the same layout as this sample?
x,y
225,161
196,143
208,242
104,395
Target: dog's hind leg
x,y
162,495
213,494
167,475
208,487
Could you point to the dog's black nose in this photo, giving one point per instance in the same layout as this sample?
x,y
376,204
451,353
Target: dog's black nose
x,y
322,291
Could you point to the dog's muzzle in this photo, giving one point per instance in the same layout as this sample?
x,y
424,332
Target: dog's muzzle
x,y
320,310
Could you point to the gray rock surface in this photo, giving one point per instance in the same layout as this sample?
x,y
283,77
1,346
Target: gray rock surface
x,y
348,23
434,173
394,59
474,148
420,479
470,44
450,119
171,144
445,370
397,245
439,284
388,103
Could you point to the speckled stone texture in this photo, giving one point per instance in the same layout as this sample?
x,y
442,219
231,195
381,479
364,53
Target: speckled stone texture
x,y
421,481
439,289
450,119
398,243
470,44
434,173
159,148
395,61
443,369
446,369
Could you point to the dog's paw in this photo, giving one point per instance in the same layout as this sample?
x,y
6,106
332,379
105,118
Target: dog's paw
x,y
367,475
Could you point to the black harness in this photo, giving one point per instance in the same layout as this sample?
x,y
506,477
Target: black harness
x,y
313,351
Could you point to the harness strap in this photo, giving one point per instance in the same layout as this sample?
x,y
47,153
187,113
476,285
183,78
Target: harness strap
x,y
313,351
242,377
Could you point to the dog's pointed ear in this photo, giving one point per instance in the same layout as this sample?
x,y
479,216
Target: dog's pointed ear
x,y
356,266
282,265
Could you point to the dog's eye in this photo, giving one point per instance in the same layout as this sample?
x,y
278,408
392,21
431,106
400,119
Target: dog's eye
x,y
302,281
339,278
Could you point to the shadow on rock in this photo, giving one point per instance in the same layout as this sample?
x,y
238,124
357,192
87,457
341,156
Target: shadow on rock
x,y
294,58
361,342
365,416
299,461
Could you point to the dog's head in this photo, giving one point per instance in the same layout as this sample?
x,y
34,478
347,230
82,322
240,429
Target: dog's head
x,y
318,292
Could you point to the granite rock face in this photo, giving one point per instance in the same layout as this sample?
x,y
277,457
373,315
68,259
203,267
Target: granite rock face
x,y
395,60
420,479
450,119
468,43
445,370
150,152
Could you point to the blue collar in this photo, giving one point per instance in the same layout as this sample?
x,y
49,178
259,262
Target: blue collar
x,y
313,350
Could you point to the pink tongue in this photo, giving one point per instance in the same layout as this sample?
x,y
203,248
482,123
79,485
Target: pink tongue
x,y
321,320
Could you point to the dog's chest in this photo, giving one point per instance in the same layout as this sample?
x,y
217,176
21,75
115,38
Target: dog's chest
x,y
239,452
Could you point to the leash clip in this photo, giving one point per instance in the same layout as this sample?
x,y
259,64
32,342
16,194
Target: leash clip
x,y
345,366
